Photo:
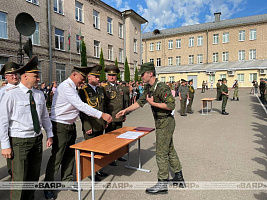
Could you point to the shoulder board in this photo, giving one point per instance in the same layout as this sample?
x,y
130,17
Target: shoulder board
x,y
104,85
84,87
70,85
11,88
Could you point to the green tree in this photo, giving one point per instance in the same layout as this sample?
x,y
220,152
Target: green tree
x,y
83,54
126,71
102,63
136,77
119,74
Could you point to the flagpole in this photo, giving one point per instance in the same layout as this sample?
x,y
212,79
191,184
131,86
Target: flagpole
x,y
69,43
80,38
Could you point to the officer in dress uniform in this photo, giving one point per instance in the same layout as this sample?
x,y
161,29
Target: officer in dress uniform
x,y
65,109
224,91
94,96
12,80
183,96
23,114
159,96
235,86
114,100
191,96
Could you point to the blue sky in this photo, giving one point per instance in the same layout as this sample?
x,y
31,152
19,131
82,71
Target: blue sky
x,y
163,14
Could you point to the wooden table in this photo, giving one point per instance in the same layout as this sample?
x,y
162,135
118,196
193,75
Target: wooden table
x,y
96,153
204,102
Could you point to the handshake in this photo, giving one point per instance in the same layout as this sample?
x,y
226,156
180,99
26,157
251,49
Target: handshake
x,y
108,118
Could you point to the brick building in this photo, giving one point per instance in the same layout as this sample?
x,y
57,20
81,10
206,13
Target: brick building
x,y
101,26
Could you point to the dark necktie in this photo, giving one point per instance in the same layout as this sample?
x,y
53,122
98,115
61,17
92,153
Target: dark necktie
x,y
35,119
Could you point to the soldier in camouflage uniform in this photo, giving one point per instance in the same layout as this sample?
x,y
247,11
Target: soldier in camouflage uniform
x,y
235,86
224,91
219,84
191,96
183,96
159,96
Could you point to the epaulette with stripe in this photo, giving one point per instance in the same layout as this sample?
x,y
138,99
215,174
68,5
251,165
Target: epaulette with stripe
x,y
104,85
84,87
11,88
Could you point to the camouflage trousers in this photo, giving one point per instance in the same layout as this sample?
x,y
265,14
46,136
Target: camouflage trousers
x,y
235,94
189,106
183,105
165,152
224,102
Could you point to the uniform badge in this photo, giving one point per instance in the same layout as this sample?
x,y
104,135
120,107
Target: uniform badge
x,y
165,96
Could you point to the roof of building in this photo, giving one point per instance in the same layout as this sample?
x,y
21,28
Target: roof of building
x,y
134,14
213,67
208,26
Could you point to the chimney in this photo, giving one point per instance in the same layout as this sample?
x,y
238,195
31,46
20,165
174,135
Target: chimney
x,y
217,16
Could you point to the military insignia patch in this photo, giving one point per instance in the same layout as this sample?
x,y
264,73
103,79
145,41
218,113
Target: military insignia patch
x,y
165,96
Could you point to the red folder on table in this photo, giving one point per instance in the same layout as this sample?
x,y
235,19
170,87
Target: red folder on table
x,y
144,129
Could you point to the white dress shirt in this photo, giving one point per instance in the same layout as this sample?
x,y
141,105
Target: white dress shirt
x,y
3,89
67,104
16,118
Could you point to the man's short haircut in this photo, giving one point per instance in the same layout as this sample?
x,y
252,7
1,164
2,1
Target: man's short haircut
x,y
153,72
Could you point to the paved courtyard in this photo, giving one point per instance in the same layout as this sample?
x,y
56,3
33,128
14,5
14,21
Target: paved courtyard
x,y
212,148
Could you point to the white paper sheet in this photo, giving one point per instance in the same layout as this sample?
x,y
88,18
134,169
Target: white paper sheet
x,y
130,135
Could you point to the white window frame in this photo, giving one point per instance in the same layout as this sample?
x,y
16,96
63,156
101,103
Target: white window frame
x,y
151,46
33,1
78,44
158,46
163,79
4,23
170,61
96,49
109,25
191,41
60,72
178,43
35,37
225,56
135,45
120,55
216,38
96,19
3,60
110,52
252,54
199,58
191,59
120,30
142,48
178,60
222,76
240,78
226,37
252,75
252,34
158,64
200,41
151,60
171,79
242,35
59,37
241,55
215,57
211,77
170,44
78,11
58,6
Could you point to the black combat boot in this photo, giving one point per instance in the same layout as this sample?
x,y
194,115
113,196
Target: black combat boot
x,y
178,180
160,187
237,99
233,98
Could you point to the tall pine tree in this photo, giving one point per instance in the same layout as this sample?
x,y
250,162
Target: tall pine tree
x,y
102,63
136,77
126,71
83,54
119,74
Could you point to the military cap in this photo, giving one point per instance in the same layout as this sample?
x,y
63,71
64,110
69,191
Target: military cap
x,y
112,69
83,70
146,67
96,70
30,67
220,80
182,80
224,79
190,81
9,68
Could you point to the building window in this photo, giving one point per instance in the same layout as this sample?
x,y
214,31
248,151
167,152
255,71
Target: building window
x,y
225,37
135,65
212,77
40,74
142,61
215,57
36,36
3,61
199,58
120,30
96,19
252,54
225,56
253,76
158,46
60,72
252,34
78,11
158,62
222,76
178,43
199,40
142,48
79,43
59,39
178,60
120,55
240,77
170,61
215,38
191,41
170,44
241,55
58,6
96,49
109,26
135,45
171,79
191,59
110,52
163,79
151,60
151,46
33,1
242,35
3,25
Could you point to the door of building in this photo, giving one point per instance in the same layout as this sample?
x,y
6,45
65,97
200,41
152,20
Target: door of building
x,y
194,80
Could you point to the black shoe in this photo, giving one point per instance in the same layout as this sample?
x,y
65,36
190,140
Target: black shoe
x,y
190,112
178,180
160,187
113,163
233,99
184,115
49,195
101,174
225,113
237,99
122,159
